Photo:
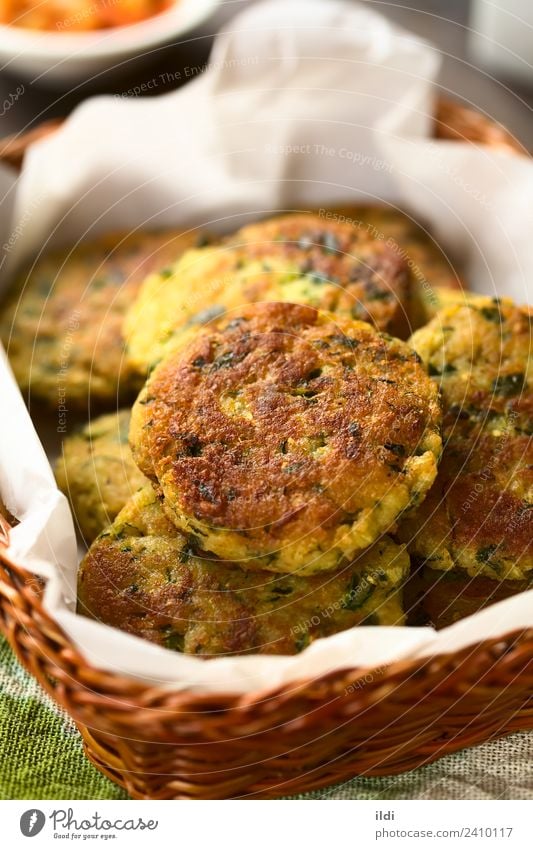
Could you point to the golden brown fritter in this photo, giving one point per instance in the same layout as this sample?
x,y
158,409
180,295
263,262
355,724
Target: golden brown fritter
x,y
62,326
298,258
368,280
443,598
288,435
143,576
480,352
97,473
433,276
479,514
441,297
427,260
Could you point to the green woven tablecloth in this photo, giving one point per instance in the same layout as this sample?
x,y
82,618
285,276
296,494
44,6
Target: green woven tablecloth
x,y
41,757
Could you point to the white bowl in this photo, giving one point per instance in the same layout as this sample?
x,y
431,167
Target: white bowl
x,y
72,57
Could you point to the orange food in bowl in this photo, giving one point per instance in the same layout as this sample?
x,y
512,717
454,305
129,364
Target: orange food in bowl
x,y
78,15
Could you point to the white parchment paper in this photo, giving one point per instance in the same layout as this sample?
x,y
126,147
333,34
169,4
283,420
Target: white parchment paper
x,y
304,103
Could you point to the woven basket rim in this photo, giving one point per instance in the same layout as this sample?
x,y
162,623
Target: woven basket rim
x,y
157,693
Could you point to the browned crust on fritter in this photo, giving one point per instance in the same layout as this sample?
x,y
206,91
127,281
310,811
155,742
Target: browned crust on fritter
x,y
479,514
148,580
480,354
443,598
496,517
63,324
476,509
329,414
372,278
428,261
97,473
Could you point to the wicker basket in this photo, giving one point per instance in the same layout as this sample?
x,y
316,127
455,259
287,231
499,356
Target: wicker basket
x,y
177,745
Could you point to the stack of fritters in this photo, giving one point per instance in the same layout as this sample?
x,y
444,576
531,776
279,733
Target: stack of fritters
x,y
146,577
285,439
273,443
97,472
279,438
472,537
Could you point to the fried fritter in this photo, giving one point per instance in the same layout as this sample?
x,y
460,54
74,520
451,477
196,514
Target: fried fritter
x,y
97,473
430,267
62,326
299,258
443,598
427,260
438,298
145,577
478,517
287,438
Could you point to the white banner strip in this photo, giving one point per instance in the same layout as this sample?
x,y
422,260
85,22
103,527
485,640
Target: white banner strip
x,y
358,824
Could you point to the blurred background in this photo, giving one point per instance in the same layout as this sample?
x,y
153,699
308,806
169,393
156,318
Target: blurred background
x,y
488,70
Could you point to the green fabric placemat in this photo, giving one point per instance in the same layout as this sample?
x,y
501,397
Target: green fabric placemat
x,y
41,757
